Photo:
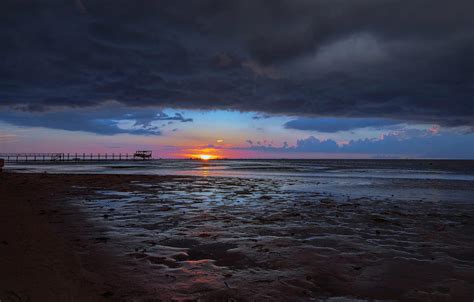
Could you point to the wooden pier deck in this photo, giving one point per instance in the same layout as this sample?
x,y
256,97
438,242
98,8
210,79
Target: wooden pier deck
x,y
75,157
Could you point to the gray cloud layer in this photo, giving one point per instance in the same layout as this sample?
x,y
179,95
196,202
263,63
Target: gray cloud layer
x,y
332,125
101,120
392,145
408,60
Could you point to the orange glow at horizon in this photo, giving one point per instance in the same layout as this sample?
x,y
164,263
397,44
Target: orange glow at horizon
x,y
205,153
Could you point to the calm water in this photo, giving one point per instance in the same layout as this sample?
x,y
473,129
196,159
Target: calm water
x,y
434,180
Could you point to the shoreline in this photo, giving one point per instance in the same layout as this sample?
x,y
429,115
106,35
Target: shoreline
x,y
37,263
132,238
40,251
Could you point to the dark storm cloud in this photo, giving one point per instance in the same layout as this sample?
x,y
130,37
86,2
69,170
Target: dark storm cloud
x,y
332,125
407,60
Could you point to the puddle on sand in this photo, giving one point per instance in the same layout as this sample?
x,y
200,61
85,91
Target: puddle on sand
x,y
248,238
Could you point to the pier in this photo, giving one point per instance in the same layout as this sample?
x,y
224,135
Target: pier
x,y
75,157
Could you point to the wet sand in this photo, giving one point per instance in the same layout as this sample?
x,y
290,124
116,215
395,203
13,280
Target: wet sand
x,y
179,238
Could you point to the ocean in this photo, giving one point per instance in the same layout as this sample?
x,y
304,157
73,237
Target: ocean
x,y
433,180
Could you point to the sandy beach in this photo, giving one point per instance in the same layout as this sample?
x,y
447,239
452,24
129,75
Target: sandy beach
x,y
185,238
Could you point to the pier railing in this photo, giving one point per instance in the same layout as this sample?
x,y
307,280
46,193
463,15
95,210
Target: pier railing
x,y
72,157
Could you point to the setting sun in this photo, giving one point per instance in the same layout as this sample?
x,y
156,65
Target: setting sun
x,y
202,153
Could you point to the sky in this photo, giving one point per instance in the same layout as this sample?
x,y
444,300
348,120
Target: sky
x,y
238,79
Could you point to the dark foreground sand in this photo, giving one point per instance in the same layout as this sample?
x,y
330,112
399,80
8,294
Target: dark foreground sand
x,y
146,238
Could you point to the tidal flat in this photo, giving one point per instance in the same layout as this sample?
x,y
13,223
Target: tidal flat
x,y
190,238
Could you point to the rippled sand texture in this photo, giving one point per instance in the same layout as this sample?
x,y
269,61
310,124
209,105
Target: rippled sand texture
x,y
247,239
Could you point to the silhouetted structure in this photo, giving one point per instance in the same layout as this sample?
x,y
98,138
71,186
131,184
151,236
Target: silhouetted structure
x,y
143,155
74,157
